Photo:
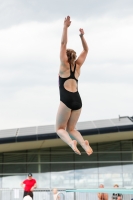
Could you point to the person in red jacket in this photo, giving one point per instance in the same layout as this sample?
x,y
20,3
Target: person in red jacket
x,y
29,184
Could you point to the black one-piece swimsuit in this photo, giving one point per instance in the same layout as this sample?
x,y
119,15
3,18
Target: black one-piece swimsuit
x,y
71,99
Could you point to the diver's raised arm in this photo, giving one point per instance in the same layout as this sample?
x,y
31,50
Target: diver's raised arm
x,y
64,38
84,53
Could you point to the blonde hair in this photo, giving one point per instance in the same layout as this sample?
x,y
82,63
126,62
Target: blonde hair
x,y
71,55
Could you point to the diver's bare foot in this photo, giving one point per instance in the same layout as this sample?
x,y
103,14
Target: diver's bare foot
x,y
73,145
87,147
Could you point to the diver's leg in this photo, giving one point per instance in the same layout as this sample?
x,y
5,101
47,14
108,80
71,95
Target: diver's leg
x,y
76,134
62,118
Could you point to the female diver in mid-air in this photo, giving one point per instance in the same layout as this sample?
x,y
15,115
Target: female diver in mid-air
x,y
70,101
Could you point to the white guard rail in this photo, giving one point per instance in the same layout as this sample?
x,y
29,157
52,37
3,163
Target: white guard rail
x,y
46,194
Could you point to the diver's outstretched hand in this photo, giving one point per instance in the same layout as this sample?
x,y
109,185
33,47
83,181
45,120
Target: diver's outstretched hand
x,y
81,31
67,21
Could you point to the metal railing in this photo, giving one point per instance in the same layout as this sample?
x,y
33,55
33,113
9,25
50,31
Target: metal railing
x,y
46,194
39,194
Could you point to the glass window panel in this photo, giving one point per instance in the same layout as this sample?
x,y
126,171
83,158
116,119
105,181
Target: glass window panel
x,y
110,168
33,168
127,167
43,180
33,151
1,162
63,179
117,178
84,157
14,157
109,179
12,181
109,156
85,174
62,154
33,157
85,178
62,157
61,167
127,156
45,157
0,181
127,180
126,145
109,146
91,167
106,151
94,147
45,150
14,168
61,149
45,168
0,168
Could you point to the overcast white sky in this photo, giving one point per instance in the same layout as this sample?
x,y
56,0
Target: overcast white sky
x,y
30,32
